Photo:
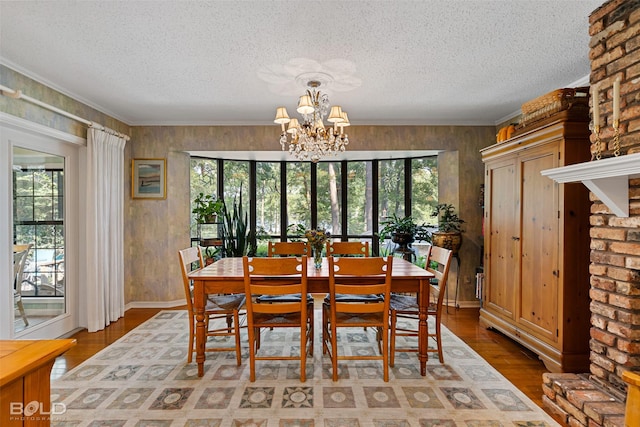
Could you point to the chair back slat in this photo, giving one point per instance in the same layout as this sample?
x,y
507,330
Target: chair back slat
x,y
360,276
360,289
442,257
372,266
288,249
275,288
350,307
187,257
275,308
274,276
347,248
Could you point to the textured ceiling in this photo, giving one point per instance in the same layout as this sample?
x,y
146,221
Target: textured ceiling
x,y
232,62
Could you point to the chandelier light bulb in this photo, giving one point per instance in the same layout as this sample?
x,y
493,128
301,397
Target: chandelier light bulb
x,y
345,120
336,114
282,117
305,105
293,126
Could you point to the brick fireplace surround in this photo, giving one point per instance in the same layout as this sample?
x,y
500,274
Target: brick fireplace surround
x,y
597,398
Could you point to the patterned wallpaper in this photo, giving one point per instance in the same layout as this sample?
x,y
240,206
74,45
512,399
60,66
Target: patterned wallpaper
x,y
156,229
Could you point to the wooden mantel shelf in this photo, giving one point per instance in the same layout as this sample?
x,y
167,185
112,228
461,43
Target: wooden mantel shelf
x,y
608,179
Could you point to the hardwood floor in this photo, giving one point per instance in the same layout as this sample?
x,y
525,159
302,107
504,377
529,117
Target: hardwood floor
x,y
518,364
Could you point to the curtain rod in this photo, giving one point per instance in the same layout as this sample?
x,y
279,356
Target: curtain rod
x,y
16,94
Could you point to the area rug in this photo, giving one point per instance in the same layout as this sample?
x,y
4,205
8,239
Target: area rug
x,y
143,379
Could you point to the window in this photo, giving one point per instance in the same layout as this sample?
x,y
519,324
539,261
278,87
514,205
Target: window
x,y
329,200
424,189
38,202
349,198
268,194
236,184
391,199
359,200
298,193
204,179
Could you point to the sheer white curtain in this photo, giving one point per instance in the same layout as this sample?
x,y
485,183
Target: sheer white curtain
x,y
105,229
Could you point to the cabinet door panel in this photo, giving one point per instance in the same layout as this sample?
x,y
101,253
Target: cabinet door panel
x,y
539,250
502,260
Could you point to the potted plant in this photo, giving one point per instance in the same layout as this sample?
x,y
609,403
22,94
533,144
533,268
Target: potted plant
x,y
207,207
239,240
403,231
449,234
210,254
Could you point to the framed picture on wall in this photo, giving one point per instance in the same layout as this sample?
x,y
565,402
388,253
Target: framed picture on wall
x,y
149,178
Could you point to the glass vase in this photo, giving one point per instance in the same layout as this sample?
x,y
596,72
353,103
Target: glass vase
x,y
317,257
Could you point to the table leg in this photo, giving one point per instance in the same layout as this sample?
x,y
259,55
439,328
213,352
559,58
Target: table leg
x,y
198,305
423,331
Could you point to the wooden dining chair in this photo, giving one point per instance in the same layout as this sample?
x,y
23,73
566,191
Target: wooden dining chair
x,y
348,249
20,253
223,308
288,249
357,276
351,249
276,277
406,306
284,249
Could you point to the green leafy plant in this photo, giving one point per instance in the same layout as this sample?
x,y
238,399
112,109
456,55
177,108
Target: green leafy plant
x,y
207,207
295,232
211,252
238,239
396,225
448,219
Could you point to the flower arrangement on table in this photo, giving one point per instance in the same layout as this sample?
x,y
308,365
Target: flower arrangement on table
x,y
317,239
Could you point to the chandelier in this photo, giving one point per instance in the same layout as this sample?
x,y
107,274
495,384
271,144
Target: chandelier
x,y
311,140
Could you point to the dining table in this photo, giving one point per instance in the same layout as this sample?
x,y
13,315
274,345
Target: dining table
x,y
227,276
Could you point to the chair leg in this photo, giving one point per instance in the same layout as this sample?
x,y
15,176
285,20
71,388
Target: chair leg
x,y
236,324
22,313
438,340
311,330
392,339
191,334
385,354
325,348
257,336
334,352
303,351
309,340
230,320
252,353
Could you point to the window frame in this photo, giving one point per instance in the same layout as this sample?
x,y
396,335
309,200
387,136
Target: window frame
x,y
345,235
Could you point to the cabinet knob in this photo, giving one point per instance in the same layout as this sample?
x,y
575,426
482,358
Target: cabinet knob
x,y
515,238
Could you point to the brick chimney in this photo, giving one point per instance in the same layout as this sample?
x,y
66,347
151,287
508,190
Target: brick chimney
x,y
615,242
597,398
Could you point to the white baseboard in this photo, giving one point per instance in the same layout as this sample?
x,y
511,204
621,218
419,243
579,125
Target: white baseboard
x,y
463,304
155,304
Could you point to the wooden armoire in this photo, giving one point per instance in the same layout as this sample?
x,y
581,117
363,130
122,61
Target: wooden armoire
x,y
536,235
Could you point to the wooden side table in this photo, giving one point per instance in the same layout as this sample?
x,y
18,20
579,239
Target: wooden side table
x,y
632,412
25,389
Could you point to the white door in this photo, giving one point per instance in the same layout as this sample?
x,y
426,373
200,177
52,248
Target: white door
x,y
41,191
